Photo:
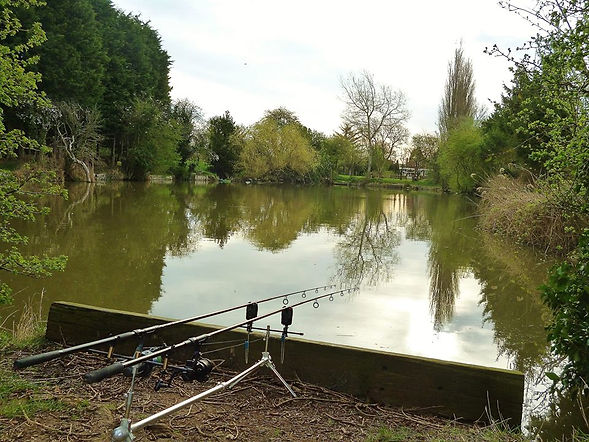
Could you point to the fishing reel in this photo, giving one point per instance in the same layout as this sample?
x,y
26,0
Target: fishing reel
x,y
198,368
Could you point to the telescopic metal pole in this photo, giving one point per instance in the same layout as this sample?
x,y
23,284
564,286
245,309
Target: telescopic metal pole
x,y
140,332
119,367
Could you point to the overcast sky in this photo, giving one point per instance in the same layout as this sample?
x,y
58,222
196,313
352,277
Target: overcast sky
x,y
250,56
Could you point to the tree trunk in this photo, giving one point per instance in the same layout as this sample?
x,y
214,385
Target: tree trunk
x,y
70,154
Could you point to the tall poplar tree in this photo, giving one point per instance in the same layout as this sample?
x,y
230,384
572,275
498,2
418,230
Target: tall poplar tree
x,y
458,101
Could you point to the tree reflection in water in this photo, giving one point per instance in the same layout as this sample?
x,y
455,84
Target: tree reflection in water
x,y
366,251
119,239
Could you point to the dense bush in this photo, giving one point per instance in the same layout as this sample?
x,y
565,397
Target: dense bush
x,y
535,214
567,295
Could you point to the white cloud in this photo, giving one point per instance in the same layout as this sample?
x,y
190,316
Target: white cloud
x,y
247,57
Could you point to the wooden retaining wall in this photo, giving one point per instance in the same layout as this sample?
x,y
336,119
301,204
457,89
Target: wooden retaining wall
x,y
448,389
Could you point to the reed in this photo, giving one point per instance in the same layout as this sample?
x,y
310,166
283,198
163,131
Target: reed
x,y
531,213
29,330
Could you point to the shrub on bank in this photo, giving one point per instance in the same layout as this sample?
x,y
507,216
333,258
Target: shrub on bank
x,y
534,214
567,295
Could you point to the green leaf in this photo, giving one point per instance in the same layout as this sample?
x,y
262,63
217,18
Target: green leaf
x,y
552,376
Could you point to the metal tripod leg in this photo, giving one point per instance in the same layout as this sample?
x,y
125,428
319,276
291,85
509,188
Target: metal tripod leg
x,y
271,366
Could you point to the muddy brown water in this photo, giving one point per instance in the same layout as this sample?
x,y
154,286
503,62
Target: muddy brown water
x,y
431,283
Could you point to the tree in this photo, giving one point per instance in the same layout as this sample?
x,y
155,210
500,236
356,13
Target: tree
x,y
78,133
277,150
552,93
188,117
549,107
424,150
20,191
391,139
458,101
72,60
152,138
460,157
222,145
336,154
354,161
96,56
373,111
567,295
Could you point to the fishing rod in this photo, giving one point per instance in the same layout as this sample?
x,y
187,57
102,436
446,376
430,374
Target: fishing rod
x,y
119,367
28,361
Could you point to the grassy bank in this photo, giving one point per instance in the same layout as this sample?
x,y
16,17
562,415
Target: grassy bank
x,y
395,183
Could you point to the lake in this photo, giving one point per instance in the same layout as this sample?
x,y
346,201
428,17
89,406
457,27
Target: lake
x,y
431,284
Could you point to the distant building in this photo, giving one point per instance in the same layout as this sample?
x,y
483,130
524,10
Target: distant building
x,y
413,173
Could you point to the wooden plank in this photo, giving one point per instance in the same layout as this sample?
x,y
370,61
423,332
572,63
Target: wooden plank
x,y
444,388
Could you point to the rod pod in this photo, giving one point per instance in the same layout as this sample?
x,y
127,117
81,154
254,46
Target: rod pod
x,y
124,432
119,367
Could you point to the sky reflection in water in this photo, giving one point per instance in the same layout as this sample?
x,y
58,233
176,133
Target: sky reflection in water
x,y
431,283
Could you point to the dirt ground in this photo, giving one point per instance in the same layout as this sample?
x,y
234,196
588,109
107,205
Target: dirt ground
x,y
257,409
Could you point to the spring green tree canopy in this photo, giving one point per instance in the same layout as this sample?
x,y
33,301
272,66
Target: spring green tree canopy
x,y
547,108
188,117
20,191
72,60
459,158
546,112
97,56
276,148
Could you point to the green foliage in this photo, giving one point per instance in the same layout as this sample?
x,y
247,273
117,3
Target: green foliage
x,y
19,83
336,154
20,191
137,67
188,116
152,138
277,150
458,102
459,157
72,60
95,56
223,146
424,149
567,295
545,117
547,108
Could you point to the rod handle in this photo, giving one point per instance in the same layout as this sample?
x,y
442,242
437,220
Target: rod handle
x,y
103,373
27,361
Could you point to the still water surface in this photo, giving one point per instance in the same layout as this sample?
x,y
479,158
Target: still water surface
x,y
430,283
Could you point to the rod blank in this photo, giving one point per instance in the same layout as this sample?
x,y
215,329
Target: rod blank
x,y
48,356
